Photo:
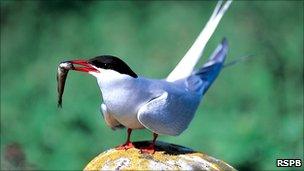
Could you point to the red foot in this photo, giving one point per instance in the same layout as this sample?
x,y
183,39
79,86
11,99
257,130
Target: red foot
x,y
148,150
125,146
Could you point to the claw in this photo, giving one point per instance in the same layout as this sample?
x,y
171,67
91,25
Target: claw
x,y
125,146
148,150
151,148
128,144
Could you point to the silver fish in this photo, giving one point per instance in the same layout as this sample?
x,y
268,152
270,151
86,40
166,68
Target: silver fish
x,y
62,73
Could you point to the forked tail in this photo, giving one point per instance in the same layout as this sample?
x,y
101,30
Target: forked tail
x,y
185,67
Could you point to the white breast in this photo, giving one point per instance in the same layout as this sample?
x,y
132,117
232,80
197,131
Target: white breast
x,y
123,95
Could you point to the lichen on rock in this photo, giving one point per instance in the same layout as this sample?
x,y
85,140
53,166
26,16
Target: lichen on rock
x,y
166,157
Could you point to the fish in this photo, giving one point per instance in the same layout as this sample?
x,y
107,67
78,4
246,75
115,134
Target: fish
x,y
62,73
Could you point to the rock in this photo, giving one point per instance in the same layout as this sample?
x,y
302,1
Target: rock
x,y
166,157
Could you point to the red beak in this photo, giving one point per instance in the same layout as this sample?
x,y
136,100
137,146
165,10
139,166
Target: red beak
x,y
85,66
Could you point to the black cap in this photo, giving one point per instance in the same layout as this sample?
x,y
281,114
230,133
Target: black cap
x,y
113,63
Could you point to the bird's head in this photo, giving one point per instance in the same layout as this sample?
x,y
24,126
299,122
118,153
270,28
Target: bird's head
x,y
104,67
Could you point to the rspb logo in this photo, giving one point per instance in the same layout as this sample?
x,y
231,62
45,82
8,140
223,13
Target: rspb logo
x,y
289,162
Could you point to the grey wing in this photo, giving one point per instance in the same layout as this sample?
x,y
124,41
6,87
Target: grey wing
x,y
109,119
168,114
202,79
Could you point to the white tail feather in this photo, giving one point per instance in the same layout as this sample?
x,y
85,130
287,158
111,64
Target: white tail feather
x,y
185,67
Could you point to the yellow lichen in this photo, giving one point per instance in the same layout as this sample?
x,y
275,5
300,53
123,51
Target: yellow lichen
x,y
133,159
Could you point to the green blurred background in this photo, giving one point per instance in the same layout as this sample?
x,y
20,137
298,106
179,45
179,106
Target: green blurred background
x,y
252,115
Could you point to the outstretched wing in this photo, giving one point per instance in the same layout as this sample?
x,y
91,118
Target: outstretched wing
x,y
201,80
168,114
185,67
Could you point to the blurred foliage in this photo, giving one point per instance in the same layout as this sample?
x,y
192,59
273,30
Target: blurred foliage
x,y
252,115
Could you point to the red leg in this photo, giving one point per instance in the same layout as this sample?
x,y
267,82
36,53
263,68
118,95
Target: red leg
x,y
128,144
151,148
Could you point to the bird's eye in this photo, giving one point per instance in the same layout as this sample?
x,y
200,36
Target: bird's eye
x,y
105,65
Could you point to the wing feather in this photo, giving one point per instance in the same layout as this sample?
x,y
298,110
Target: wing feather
x,y
168,114
202,79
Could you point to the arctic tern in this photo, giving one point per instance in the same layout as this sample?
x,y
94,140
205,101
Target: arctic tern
x,y
163,106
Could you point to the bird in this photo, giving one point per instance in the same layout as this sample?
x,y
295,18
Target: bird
x,y
163,106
